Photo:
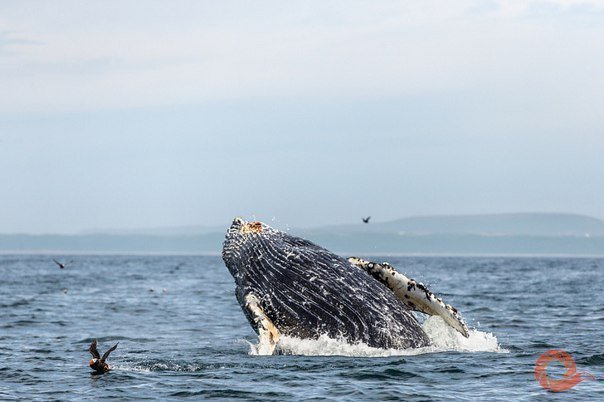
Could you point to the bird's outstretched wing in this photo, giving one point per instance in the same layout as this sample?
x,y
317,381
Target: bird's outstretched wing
x,y
106,354
93,351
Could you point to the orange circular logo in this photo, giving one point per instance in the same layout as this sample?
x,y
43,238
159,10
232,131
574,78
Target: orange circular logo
x,y
569,379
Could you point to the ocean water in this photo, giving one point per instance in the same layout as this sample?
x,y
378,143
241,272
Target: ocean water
x,y
182,334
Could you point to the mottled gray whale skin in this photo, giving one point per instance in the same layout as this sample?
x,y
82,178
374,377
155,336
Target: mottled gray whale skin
x,y
307,291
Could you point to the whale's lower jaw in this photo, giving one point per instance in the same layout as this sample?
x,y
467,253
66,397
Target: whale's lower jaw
x,y
306,291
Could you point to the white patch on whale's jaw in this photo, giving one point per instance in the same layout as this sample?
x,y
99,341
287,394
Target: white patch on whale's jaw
x,y
413,294
268,335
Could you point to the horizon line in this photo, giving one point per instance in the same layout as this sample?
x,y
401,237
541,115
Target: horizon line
x,y
137,230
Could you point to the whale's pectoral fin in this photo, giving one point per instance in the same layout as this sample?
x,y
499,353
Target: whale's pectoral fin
x,y
268,334
411,293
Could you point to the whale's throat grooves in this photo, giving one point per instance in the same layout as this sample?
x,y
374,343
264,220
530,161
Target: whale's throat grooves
x,y
306,290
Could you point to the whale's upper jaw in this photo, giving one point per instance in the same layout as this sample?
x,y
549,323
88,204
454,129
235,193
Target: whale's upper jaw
x,y
236,247
231,250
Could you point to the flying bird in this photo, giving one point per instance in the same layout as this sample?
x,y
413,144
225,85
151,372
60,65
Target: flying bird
x,y
97,363
61,265
366,220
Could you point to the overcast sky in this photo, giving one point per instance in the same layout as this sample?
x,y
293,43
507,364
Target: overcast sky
x,y
124,114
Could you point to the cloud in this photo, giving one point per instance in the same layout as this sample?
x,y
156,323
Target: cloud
x,y
11,40
74,57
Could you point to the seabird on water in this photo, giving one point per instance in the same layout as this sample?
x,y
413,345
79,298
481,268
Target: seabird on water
x,y
97,363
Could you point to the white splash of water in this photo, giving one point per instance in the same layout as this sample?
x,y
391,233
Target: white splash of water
x,y
443,338
262,348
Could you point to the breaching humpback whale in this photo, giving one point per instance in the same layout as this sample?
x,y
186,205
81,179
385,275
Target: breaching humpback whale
x,y
290,286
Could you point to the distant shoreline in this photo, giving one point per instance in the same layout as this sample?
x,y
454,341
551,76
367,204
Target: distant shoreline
x,y
521,234
5,253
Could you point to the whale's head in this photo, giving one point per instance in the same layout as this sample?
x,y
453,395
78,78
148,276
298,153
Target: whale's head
x,y
244,242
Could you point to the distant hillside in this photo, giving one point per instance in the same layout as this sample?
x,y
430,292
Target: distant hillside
x,y
519,224
526,224
522,233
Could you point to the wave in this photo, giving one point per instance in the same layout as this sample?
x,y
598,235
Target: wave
x,y
169,365
443,338
152,366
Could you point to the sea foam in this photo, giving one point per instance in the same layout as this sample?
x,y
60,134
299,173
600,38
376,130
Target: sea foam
x,y
443,338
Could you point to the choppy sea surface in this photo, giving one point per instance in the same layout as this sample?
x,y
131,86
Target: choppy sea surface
x,y
182,334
